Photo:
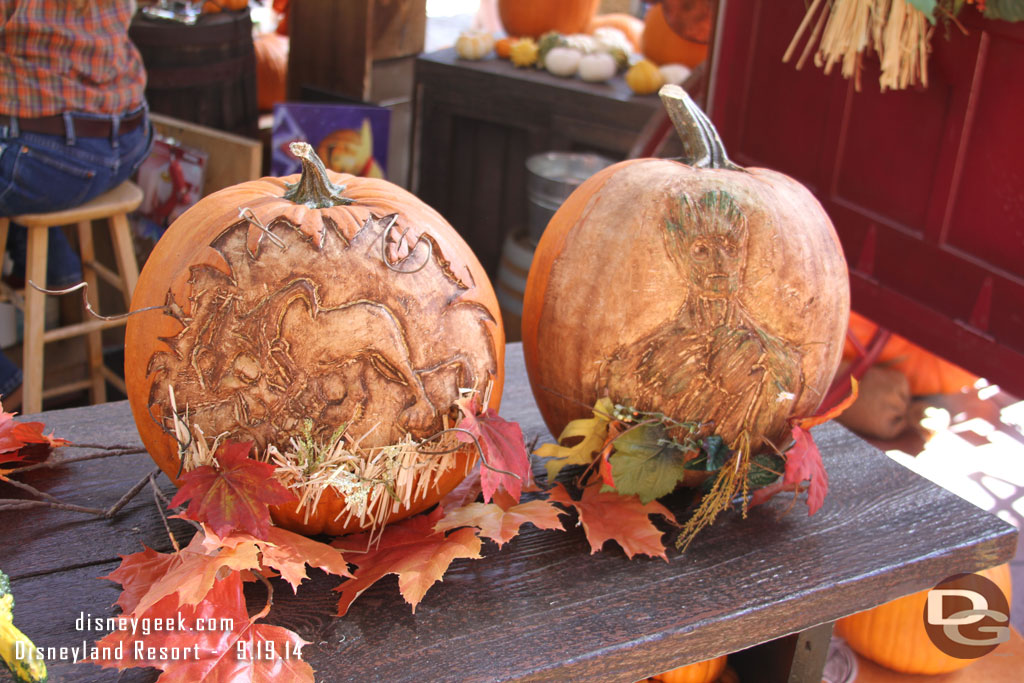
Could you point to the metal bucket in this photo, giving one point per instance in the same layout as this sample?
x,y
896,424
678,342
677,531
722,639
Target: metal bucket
x,y
550,179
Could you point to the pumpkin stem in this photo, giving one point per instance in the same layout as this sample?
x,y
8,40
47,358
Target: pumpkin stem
x,y
702,148
314,188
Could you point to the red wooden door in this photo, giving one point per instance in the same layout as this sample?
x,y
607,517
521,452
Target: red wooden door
x,y
925,187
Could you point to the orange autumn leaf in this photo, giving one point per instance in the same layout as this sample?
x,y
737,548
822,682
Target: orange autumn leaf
x,y
501,519
411,549
137,573
607,515
212,654
193,573
836,411
235,495
287,552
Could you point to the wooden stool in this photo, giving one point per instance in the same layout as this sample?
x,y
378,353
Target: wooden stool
x,y
113,206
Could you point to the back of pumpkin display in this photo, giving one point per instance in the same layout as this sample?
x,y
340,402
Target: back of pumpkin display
x,y
708,300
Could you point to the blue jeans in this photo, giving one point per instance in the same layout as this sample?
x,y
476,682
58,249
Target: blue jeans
x,y
43,173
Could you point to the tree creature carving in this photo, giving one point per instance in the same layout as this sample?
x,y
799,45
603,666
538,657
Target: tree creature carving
x,y
713,361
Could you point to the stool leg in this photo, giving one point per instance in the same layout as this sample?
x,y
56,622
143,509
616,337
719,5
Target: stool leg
x,y
5,223
35,317
124,250
98,389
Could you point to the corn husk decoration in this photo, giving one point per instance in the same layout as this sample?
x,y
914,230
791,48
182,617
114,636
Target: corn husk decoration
x,y
896,30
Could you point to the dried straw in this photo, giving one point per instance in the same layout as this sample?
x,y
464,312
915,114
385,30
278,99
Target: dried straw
x,y
375,482
896,30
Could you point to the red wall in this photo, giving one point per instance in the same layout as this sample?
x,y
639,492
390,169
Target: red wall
x,y
925,187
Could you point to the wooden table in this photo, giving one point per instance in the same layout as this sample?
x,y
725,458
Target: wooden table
x,y
542,608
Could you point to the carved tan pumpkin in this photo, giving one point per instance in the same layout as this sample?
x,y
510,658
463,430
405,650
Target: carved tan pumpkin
x,y
700,290
286,311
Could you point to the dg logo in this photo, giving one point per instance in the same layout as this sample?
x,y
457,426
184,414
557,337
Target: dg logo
x,y
967,616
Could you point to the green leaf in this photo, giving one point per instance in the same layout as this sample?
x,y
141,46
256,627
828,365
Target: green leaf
x,y
927,7
1007,10
713,454
646,463
765,469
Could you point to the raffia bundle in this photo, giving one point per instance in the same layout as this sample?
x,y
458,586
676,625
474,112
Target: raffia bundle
x,y
896,30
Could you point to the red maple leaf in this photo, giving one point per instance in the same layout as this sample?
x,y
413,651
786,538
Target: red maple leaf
x,y
410,548
624,519
213,652
465,492
803,463
503,449
501,519
235,495
137,573
18,439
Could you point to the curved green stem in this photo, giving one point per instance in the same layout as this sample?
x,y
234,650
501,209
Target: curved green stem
x,y
702,147
314,188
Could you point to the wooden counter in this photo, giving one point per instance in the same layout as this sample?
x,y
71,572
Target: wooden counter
x,y
542,608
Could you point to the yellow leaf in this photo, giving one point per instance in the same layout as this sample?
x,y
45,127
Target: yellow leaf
x,y
593,432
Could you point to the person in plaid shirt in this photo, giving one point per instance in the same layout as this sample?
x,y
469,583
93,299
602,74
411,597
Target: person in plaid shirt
x,y
73,121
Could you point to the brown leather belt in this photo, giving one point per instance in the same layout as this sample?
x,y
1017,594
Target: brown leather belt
x,y
84,127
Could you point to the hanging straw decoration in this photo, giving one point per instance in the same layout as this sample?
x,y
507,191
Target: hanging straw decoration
x,y
894,29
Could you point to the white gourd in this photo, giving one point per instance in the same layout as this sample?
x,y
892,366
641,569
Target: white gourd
x,y
562,61
598,67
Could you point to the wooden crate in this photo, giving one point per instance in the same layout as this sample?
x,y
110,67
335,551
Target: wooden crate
x,y
232,158
336,44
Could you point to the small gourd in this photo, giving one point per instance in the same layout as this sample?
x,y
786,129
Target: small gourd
x,y
643,78
562,61
674,74
523,52
598,67
503,48
474,45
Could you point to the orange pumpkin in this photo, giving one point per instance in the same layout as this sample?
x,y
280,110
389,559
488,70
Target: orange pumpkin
x,y
702,291
660,44
271,69
631,26
894,636
926,372
699,672
533,18
214,6
334,300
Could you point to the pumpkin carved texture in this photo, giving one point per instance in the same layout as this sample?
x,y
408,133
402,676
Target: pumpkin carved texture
x,y
702,291
278,316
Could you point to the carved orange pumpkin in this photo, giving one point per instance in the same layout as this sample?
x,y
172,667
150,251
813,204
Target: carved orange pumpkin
x,y
533,18
660,44
320,306
702,291
894,634
699,672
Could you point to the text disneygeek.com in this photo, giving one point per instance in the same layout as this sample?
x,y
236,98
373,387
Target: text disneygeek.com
x,y
138,650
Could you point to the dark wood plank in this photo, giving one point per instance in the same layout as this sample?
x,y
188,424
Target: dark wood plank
x,y
543,608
